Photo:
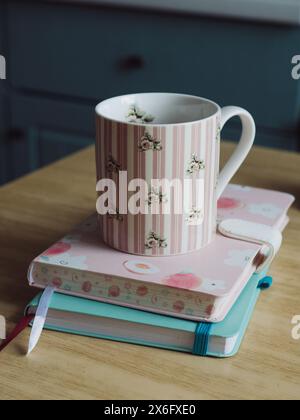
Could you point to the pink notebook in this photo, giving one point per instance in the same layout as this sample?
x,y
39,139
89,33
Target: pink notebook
x,y
201,286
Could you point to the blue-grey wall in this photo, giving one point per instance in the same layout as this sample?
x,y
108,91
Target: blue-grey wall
x,y
63,59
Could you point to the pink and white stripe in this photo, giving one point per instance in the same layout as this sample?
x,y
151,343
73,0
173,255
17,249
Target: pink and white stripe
x,y
179,143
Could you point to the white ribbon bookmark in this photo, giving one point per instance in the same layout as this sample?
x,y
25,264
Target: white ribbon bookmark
x,y
255,233
232,228
40,318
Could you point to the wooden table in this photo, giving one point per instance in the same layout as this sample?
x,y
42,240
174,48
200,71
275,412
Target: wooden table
x,y
42,207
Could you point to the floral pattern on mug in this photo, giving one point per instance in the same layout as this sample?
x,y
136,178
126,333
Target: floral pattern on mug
x,y
149,142
195,165
156,196
195,217
137,115
155,241
112,165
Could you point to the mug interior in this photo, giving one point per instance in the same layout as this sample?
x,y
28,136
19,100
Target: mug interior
x,y
157,109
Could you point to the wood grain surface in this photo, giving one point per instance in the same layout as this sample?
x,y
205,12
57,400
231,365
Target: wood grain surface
x,y
40,208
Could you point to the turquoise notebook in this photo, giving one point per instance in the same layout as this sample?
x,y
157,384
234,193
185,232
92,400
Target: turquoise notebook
x,y
100,320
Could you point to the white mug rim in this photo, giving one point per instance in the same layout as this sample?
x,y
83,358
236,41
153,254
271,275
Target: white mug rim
x,y
152,124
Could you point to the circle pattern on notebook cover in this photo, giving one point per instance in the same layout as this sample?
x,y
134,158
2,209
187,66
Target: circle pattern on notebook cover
x,y
141,267
228,203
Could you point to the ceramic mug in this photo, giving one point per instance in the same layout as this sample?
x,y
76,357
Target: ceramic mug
x,y
155,136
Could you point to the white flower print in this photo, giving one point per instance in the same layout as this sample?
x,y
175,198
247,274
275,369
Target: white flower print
x,y
152,243
268,210
149,142
156,196
137,115
195,217
195,165
239,258
145,144
155,241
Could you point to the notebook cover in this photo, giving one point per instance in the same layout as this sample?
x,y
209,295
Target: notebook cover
x,y
235,324
201,286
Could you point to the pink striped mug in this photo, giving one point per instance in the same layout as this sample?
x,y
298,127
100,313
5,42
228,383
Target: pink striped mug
x,y
157,158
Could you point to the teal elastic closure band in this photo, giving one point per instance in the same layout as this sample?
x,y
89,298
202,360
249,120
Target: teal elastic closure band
x,y
201,339
265,283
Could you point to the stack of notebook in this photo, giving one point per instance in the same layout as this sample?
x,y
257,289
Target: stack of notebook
x,y
200,303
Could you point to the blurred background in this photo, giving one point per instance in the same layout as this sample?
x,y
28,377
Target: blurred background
x,y
63,57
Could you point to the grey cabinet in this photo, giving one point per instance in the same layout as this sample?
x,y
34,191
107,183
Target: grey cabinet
x,y
95,52
64,58
3,142
3,104
46,130
37,147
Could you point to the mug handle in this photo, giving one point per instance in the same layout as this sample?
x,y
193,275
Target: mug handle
x,y
243,148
